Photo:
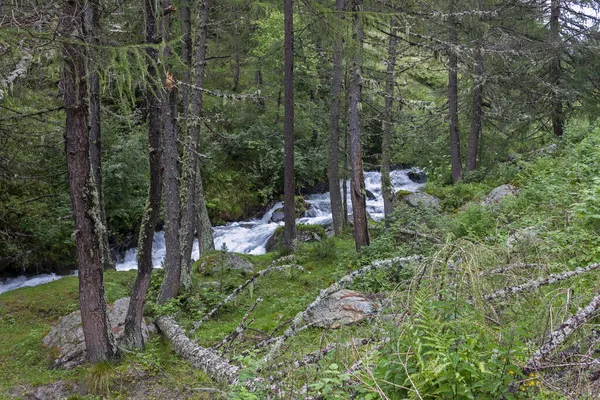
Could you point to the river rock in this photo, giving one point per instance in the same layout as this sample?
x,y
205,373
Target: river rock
x,y
422,200
232,261
66,342
523,239
370,195
343,307
301,237
417,176
499,193
277,216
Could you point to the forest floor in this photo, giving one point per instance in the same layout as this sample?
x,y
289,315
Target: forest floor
x,y
446,328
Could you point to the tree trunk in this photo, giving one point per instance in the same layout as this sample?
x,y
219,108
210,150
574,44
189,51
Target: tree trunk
x,y
357,185
92,34
558,119
203,226
477,113
189,164
236,51
135,313
99,341
289,209
386,142
334,134
260,102
170,285
453,99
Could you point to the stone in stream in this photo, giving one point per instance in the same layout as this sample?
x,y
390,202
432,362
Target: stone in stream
x,y
343,307
370,195
278,216
302,236
66,342
417,176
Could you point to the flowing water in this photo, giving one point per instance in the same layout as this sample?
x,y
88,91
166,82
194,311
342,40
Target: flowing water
x,y
250,237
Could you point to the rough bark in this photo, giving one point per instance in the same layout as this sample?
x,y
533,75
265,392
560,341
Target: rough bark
x,y
511,267
562,333
476,112
171,282
386,142
203,226
92,33
340,284
203,359
345,167
532,285
334,135
289,209
190,161
135,313
453,98
558,120
99,341
236,51
357,185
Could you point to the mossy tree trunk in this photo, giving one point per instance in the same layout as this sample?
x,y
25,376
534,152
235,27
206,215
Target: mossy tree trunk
x,y
357,185
334,134
289,209
453,96
203,225
135,313
99,341
170,285
188,168
386,142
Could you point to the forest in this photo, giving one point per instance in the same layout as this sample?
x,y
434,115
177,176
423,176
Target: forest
x,y
299,199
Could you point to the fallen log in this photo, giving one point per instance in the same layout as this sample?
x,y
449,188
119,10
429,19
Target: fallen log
x,y
340,284
203,359
239,329
561,334
511,267
532,285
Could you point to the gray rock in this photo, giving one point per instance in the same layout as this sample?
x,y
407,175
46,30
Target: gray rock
x,y
499,193
422,200
523,239
277,216
417,176
301,237
66,342
310,213
53,391
343,307
370,195
232,261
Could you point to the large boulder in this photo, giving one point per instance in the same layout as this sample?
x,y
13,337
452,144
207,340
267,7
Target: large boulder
x,y
343,307
499,193
422,200
277,215
232,261
303,235
417,176
66,342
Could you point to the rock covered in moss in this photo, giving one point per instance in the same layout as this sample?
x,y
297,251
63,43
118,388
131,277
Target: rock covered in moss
x,y
304,234
231,261
422,200
66,341
497,194
341,308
